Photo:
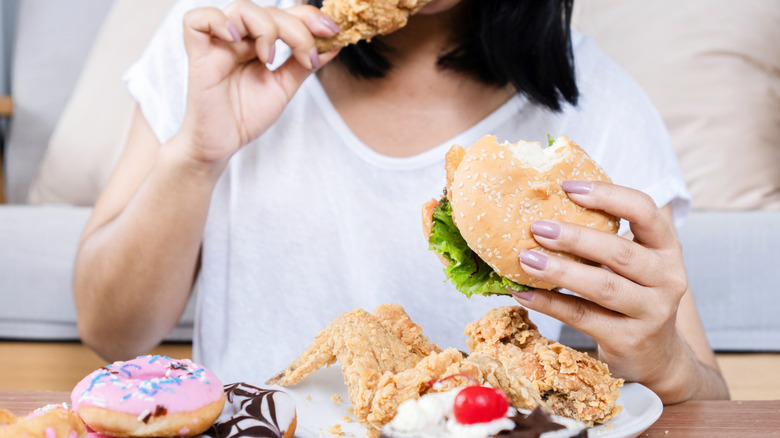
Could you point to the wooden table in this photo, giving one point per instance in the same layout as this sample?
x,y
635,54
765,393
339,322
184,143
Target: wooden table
x,y
711,419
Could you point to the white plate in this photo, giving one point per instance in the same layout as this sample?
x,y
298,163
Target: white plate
x,y
641,408
318,412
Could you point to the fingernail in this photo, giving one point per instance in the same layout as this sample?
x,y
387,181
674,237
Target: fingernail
x,y
523,295
533,259
315,58
272,54
577,187
330,24
233,32
548,229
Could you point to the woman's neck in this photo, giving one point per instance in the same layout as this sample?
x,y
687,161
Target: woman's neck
x,y
416,105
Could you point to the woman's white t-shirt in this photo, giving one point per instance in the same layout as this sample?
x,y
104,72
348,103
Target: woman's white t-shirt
x,y
307,222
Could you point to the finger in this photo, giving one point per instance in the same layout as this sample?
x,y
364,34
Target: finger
x,y
577,312
292,73
593,283
256,25
203,24
625,257
297,28
318,23
648,224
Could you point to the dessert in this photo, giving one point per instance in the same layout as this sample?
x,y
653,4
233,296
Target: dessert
x,y
150,396
50,421
475,412
251,412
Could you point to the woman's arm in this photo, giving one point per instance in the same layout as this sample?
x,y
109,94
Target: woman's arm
x,y
637,305
139,252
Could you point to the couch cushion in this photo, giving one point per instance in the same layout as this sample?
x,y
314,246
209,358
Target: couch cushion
x,y
712,67
90,133
36,289
731,257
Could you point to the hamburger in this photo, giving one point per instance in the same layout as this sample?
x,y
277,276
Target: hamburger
x,y
494,191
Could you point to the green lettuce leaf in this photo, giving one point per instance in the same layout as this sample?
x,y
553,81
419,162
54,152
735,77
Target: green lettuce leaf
x,y
466,271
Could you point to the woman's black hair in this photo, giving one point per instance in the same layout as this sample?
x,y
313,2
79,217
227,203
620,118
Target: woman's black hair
x,y
526,43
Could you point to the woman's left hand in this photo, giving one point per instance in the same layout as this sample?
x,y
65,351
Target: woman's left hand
x,y
629,304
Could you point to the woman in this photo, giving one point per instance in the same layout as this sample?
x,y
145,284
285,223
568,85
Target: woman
x,y
285,198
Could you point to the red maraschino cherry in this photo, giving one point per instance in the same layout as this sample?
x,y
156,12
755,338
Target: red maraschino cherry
x,y
478,404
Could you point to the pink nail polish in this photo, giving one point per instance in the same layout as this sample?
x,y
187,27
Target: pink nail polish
x,y
272,54
548,229
523,295
330,24
233,32
534,259
314,56
577,187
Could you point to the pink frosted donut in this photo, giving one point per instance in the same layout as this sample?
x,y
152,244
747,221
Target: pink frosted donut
x,y
150,396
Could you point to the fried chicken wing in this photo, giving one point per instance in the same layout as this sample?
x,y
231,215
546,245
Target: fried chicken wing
x,y
364,19
367,346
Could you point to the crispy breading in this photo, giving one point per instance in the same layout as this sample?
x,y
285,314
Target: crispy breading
x,y
364,19
393,389
386,360
367,347
501,326
393,318
571,383
518,387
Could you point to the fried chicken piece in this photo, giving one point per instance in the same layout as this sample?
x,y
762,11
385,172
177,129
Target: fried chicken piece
x,y
367,346
393,389
570,382
513,380
364,19
393,318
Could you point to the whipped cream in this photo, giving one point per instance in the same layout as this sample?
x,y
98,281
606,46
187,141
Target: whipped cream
x,y
431,416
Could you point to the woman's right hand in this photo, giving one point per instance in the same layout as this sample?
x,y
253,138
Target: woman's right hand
x,y
232,96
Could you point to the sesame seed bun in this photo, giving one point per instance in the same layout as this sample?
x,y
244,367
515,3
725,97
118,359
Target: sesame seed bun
x,y
498,190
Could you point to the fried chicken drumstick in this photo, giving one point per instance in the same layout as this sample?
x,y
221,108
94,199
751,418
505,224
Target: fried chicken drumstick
x,y
364,19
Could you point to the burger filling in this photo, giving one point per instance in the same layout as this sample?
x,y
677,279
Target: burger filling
x,y
465,270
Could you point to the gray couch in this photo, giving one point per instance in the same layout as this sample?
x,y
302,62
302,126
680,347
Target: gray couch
x,y
730,255
50,45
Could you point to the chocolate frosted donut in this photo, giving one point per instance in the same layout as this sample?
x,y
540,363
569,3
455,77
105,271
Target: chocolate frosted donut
x,y
254,412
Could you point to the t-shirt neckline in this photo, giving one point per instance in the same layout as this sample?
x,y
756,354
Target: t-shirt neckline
x,y
434,155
